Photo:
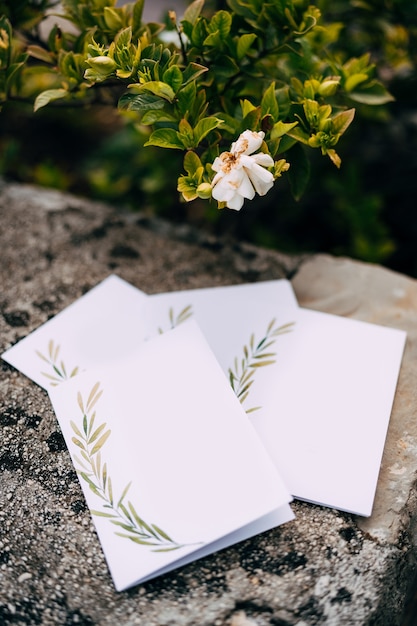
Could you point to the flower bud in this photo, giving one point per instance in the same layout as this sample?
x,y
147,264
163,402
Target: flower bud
x,y
328,87
204,191
102,65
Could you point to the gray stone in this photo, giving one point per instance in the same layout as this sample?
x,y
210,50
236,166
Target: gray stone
x,y
326,567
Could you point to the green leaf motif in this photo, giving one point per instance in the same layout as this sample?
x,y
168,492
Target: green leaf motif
x,y
58,372
95,474
176,320
255,355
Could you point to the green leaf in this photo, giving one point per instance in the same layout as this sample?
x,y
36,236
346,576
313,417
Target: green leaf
x,y
213,39
80,402
193,11
122,497
140,102
262,364
185,133
76,429
96,433
191,163
186,98
57,371
165,138
113,19
221,23
247,107
299,135
88,480
110,490
185,314
86,458
140,522
373,94
173,77
102,513
159,88
354,80
104,475
243,44
251,120
37,52
124,526
126,513
137,15
204,127
79,462
198,33
187,187
245,388
142,542
78,443
91,424
269,104
157,116
101,442
281,128
193,71
342,121
160,532
334,157
48,96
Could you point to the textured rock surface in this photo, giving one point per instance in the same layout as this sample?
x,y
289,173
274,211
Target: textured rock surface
x,y
326,567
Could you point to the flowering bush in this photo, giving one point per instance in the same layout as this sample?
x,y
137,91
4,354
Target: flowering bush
x,y
259,76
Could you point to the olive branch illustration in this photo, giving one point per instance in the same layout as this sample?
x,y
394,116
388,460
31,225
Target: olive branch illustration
x,y
90,439
175,321
255,355
59,370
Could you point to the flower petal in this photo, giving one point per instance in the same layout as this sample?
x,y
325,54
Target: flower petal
x,y
223,191
263,159
248,142
262,184
236,203
246,188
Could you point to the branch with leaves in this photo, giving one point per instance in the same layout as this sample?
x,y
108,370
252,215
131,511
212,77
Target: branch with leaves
x,y
256,354
60,373
176,320
90,439
244,92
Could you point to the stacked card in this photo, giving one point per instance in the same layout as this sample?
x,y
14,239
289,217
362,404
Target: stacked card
x,y
192,416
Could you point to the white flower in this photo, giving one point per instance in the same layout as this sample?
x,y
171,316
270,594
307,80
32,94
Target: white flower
x,y
240,173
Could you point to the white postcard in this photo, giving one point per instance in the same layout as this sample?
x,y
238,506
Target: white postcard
x,y
169,463
107,323
318,388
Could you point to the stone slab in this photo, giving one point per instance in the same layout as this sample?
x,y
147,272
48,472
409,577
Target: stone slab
x,y
326,567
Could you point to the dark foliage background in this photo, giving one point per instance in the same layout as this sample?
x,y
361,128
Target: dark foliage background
x,y
365,210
